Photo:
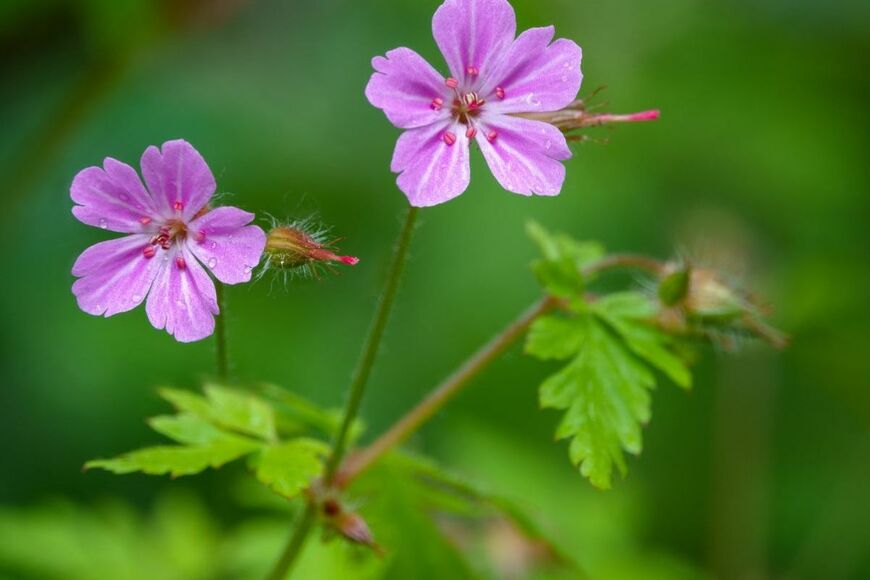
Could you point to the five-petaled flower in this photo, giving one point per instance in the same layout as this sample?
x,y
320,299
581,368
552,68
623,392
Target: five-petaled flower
x,y
493,77
171,230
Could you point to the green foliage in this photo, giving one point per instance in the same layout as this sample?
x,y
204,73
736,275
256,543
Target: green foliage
x,y
220,427
288,467
612,345
560,269
674,287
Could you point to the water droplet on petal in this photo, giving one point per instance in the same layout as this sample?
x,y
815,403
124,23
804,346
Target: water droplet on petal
x,y
213,245
103,223
212,263
137,298
564,78
248,269
548,145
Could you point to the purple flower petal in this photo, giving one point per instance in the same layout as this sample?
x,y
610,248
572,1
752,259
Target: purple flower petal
x,y
114,276
177,176
405,87
473,33
431,171
222,240
112,197
524,154
536,75
182,298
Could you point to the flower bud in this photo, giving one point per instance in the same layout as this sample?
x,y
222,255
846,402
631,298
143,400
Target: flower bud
x,y
300,248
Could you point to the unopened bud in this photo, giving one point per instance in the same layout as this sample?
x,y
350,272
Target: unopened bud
x,y
710,297
299,247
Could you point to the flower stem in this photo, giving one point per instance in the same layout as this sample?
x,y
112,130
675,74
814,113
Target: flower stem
x,y
357,389
220,335
373,342
444,392
295,543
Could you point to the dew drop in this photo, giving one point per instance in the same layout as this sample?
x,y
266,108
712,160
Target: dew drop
x,y
103,223
212,263
564,78
137,297
548,145
213,245
248,269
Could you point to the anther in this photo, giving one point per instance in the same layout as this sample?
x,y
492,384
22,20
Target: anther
x,y
437,102
200,236
449,138
451,82
472,71
499,92
144,220
178,206
180,262
149,251
471,132
491,136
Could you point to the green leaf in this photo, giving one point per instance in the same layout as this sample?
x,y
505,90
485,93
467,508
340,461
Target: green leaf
x,y
604,393
288,468
297,414
552,337
628,313
563,258
178,460
186,428
229,408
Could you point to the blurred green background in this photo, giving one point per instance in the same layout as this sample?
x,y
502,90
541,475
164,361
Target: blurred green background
x,y
759,166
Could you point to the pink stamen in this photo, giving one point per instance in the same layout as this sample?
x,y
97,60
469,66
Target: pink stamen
x,y
149,252
437,103
449,138
472,71
451,82
178,206
471,132
180,262
499,92
144,220
200,236
492,136
349,260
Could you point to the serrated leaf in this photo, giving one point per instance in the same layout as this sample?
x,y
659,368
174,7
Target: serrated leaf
x,y
604,393
628,313
186,428
227,408
288,468
553,337
297,414
560,268
241,412
177,460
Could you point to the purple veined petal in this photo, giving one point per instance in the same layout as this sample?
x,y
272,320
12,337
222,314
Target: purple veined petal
x,y
473,33
222,240
409,91
177,176
112,198
114,276
536,76
182,298
524,155
431,171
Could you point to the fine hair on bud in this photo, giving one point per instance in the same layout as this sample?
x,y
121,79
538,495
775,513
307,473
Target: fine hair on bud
x,y
302,248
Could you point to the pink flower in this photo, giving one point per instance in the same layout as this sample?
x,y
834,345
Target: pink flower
x,y
493,77
171,231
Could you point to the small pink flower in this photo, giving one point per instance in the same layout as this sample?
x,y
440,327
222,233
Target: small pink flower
x,y
493,76
172,232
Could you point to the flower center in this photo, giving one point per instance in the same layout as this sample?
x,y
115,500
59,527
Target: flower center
x,y
169,233
467,106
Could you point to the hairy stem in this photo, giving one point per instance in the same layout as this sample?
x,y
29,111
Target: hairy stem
x,y
295,543
444,392
220,335
481,359
373,342
357,389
